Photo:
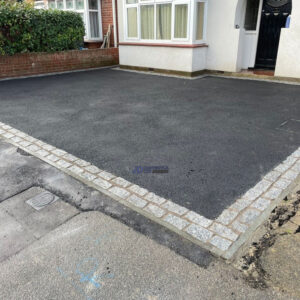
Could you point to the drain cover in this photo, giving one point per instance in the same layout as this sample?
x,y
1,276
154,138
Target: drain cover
x,y
41,200
290,125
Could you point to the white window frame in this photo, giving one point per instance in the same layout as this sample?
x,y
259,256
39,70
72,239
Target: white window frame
x,y
86,18
191,26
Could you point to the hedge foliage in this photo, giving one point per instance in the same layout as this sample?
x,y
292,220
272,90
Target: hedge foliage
x,y
25,29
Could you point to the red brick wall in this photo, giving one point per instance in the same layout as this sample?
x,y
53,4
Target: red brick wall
x,y
107,18
39,63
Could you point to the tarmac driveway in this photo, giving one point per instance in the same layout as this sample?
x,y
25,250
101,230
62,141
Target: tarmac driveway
x,y
217,136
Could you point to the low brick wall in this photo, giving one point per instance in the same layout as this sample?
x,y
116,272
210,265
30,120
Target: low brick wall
x,y
40,63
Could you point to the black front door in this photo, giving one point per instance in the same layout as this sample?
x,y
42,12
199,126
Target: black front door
x,y
273,18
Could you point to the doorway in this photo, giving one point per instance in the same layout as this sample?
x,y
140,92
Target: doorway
x,y
274,16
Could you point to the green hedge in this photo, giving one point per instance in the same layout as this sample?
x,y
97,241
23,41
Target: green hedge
x,y
25,29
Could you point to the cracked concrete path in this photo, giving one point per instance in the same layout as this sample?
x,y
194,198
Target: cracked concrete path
x,y
65,251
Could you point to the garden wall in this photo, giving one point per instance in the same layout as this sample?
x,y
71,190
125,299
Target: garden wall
x,y
40,63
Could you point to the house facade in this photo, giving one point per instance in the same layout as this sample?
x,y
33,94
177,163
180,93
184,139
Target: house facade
x,y
97,16
190,36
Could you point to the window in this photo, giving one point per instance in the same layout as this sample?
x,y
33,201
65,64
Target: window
x,y
60,4
79,4
90,14
200,20
94,18
251,14
165,21
132,22
147,22
51,4
69,4
181,21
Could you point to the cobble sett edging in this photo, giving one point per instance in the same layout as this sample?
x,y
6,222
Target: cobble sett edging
x,y
222,236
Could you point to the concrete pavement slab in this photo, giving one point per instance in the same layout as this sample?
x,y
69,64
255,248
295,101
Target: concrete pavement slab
x,y
21,225
93,256
13,236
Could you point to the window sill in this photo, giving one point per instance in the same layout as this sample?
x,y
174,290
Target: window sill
x,y
164,45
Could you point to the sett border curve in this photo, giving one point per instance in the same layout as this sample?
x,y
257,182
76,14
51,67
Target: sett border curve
x,y
222,236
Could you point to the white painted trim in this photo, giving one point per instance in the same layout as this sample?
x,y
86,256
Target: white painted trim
x,y
114,23
258,29
255,32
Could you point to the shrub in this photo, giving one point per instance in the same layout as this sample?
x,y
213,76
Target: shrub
x,y
25,29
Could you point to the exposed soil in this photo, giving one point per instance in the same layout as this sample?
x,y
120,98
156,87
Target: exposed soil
x,y
280,223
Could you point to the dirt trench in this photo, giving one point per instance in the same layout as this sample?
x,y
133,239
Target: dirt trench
x,y
274,260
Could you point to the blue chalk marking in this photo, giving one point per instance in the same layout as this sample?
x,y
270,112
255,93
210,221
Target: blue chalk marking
x,y
89,276
79,289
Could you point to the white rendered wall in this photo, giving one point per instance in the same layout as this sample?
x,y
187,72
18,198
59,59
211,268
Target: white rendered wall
x,y
288,59
168,58
199,59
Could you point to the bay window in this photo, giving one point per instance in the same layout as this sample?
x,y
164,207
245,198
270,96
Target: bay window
x,y
165,21
90,12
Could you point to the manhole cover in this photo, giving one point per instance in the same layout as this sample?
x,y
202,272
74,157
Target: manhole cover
x,y
41,200
290,125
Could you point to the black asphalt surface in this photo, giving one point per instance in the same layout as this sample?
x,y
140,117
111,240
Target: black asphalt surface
x,y
217,136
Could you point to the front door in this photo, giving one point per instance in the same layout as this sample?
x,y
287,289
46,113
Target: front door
x,y
273,18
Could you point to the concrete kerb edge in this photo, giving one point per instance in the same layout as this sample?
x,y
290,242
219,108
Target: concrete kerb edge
x,y
231,240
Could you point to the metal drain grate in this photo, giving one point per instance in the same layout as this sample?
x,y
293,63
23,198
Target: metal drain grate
x,y
41,200
291,125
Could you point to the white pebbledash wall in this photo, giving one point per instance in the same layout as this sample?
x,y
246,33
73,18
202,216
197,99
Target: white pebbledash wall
x,y
288,59
225,43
